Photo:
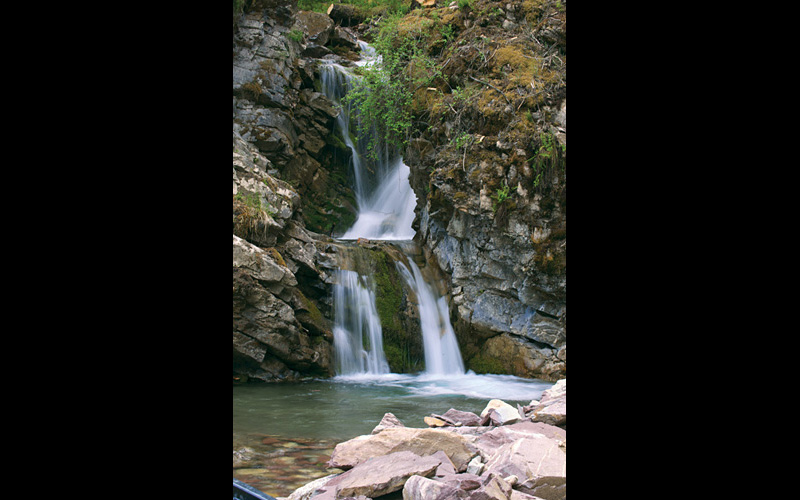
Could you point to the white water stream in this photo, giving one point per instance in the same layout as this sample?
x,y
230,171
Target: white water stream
x,y
386,205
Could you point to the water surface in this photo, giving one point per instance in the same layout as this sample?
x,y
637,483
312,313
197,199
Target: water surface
x,y
344,407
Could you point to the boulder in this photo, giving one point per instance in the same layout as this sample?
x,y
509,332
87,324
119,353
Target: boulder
x,y
503,412
306,491
316,25
345,14
475,466
422,442
388,420
493,487
344,36
446,466
463,482
421,488
552,408
489,442
380,475
537,461
435,422
456,418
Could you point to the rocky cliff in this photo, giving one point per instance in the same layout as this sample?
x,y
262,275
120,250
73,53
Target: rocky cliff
x,y
489,169
488,157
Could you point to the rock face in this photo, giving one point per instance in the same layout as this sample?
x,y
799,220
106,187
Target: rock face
x,y
489,171
277,109
289,184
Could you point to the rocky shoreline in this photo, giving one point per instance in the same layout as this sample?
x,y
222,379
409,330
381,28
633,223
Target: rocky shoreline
x,y
505,453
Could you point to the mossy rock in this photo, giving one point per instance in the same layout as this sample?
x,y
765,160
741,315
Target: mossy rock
x,y
481,363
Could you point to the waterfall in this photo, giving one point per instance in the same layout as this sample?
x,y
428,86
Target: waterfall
x,y
357,321
386,205
442,355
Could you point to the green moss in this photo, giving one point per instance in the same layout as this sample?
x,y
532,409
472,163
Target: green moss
x,y
403,349
389,291
275,254
481,363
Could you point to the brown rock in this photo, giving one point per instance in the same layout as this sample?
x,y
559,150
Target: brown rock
x,y
434,422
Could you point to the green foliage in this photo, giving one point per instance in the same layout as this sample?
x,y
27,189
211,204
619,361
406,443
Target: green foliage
x,y
255,202
501,196
367,6
295,35
546,157
238,7
464,4
384,94
463,140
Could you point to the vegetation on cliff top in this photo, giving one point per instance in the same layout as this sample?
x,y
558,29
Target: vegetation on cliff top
x,y
466,76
